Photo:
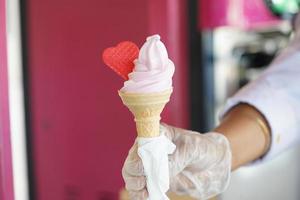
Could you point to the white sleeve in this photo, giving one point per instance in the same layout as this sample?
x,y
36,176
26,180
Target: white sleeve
x,y
276,94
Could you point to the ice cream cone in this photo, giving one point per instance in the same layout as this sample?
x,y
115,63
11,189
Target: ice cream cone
x,y
146,109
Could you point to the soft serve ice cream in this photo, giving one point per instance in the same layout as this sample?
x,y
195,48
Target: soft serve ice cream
x,y
153,69
146,93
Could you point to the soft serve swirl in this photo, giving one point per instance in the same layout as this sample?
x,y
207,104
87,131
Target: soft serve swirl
x,y
153,69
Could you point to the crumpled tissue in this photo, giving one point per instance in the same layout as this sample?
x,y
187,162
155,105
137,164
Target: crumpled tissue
x,y
154,155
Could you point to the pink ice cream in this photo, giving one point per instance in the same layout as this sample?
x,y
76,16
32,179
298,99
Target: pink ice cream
x,y
153,69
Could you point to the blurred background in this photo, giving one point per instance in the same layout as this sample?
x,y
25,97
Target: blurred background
x,y
64,133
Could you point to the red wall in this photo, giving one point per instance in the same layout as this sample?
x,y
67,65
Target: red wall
x,y
81,132
6,177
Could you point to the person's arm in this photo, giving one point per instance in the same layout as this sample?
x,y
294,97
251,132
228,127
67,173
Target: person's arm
x,y
275,100
248,134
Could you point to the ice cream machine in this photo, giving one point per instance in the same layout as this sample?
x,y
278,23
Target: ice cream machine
x,y
238,39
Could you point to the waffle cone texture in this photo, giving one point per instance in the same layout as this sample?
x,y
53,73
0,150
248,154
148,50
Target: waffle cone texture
x,y
146,109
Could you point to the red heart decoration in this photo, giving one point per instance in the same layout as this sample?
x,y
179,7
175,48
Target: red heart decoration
x,y
120,58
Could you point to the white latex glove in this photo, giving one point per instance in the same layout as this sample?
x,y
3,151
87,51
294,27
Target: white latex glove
x,y
200,166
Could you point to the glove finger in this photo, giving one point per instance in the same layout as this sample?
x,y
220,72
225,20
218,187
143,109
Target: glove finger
x,y
174,133
171,132
133,164
134,167
186,150
181,184
138,195
134,183
168,131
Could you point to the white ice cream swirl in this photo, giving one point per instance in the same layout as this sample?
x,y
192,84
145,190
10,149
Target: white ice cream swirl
x,y
153,69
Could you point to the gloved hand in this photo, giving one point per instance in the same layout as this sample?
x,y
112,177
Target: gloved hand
x,y
200,166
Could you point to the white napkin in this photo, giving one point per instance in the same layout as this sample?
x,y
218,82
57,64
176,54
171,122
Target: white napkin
x,y
154,154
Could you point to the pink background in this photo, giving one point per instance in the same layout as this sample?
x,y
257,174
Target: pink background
x,y
6,179
81,132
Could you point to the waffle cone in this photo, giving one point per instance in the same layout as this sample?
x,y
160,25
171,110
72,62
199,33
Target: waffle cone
x,y
146,109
